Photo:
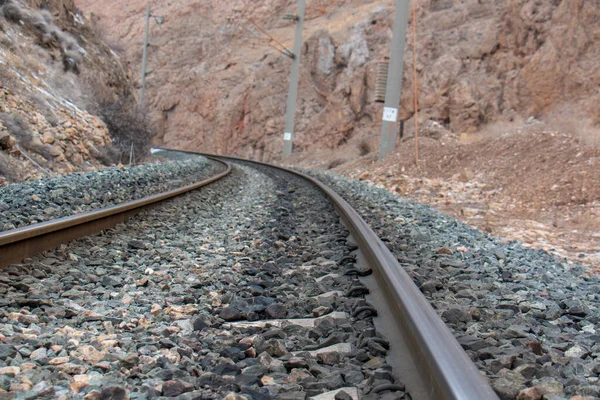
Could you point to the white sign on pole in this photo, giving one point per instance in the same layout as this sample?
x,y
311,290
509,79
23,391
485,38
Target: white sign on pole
x,y
287,136
390,114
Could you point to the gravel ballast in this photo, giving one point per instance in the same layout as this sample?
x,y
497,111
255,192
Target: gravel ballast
x,y
27,203
528,319
245,289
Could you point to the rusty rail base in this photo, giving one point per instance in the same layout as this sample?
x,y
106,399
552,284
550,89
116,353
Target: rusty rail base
x,y
21,243
445,369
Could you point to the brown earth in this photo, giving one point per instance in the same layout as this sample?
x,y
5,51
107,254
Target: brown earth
x,y
215,87
526,183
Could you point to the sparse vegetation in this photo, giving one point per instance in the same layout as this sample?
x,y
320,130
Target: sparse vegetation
x,y
20,129
41,23
6,171
116,46
7,77
16,126
13,12
364,147
100,33
45,109
128,125
33,75
335,163
107,155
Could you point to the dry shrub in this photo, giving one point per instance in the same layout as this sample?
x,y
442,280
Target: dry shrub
x,y
66,86
568,120
3,21
44,150
41,24
576,123
128,125
44,108
47,16
16,126
108,155
13,12
101,33
364,147
116,46
20,129
6,171
335,163
8,78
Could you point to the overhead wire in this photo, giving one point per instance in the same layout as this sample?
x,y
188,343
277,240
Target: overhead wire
x,y
279,46
246,14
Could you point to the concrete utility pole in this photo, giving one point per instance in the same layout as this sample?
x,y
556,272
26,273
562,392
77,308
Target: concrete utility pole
x,y
288,135
145,57
394,81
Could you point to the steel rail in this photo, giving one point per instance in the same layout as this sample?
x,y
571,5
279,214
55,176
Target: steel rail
x,y
18,244
445,368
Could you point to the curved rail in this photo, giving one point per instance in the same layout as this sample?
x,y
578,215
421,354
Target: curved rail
x,y
18,244
444,367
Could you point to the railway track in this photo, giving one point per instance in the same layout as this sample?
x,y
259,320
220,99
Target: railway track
x,y
280,303
17,244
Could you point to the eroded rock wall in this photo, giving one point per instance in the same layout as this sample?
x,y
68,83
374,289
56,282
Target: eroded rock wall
x,y
215,88
54,68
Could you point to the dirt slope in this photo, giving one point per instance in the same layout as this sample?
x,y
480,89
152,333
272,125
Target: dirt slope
x,y
524,182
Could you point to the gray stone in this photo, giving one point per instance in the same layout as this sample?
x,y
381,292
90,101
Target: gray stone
x,y
329,358
276,311
507,389
456,314
114,393
231,314
111,281
176,387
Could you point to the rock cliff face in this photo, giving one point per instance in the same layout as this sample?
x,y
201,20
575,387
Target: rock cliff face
x,y
214,87
53,67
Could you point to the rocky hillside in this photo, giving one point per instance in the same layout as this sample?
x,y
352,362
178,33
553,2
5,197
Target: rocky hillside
x,y
215,87
55,73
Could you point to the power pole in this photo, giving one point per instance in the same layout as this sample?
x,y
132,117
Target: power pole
x,y
288,135
394,81
145,57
